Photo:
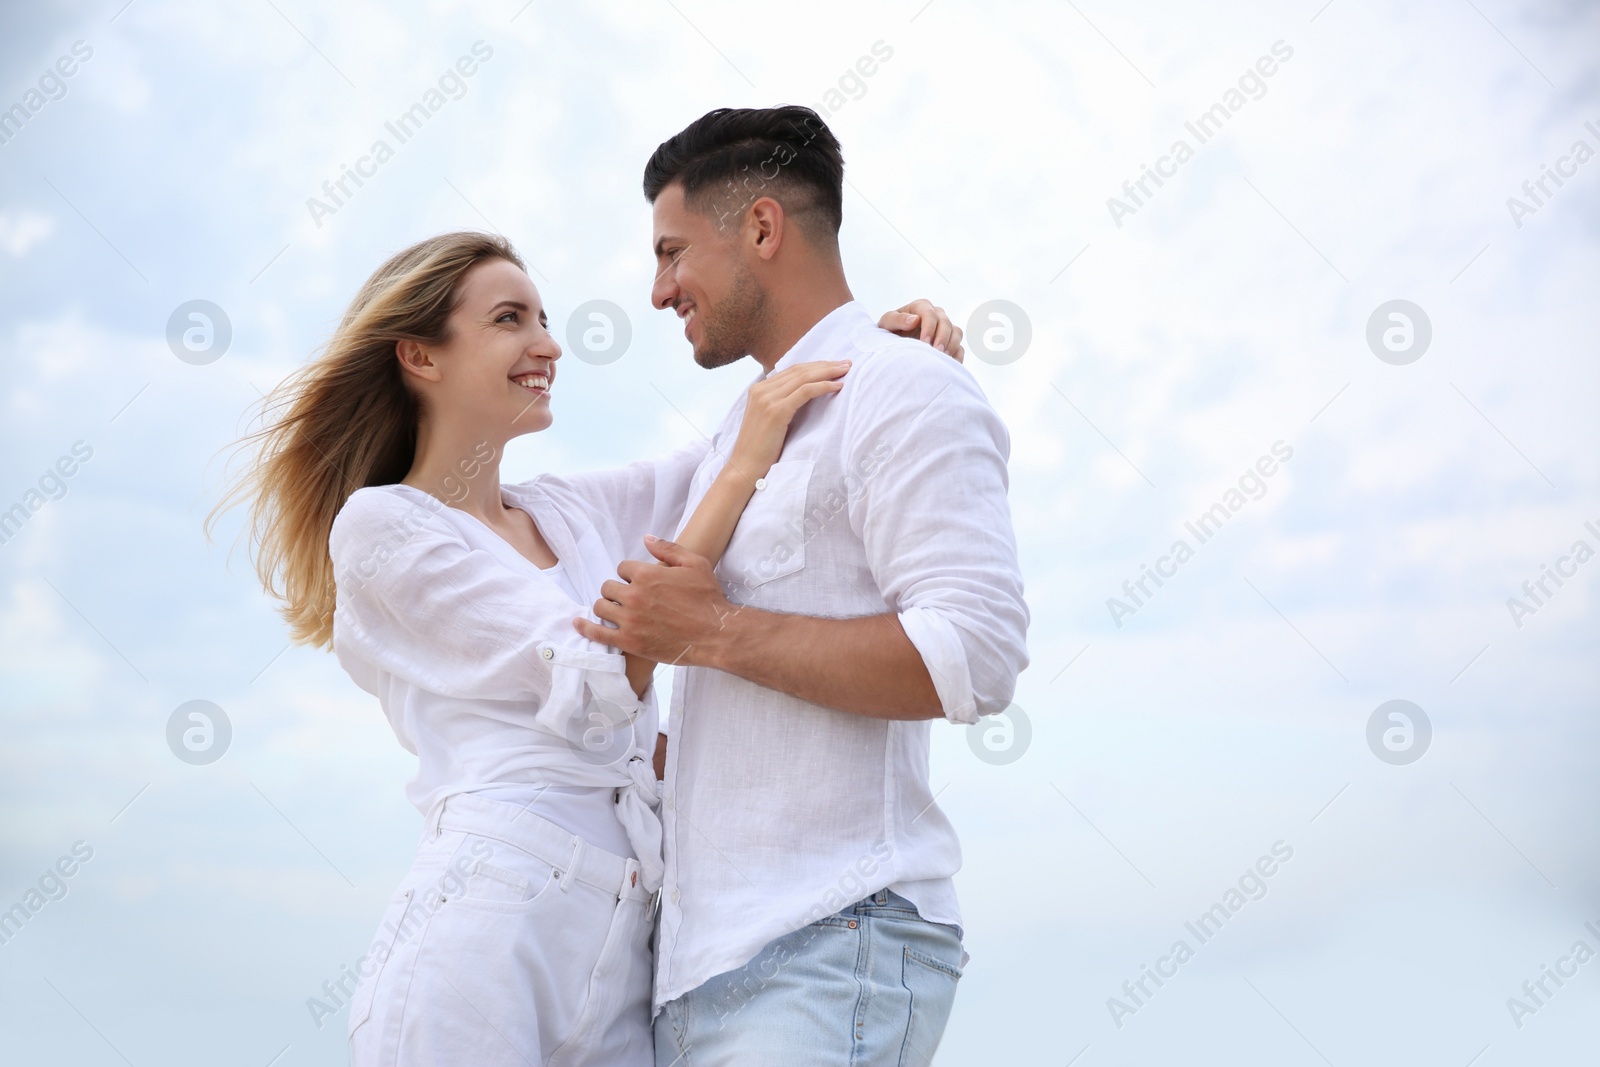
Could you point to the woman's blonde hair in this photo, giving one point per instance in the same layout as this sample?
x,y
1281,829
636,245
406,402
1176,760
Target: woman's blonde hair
x,y
344,421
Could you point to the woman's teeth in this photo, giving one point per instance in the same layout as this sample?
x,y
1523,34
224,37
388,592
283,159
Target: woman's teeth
x,y
534,381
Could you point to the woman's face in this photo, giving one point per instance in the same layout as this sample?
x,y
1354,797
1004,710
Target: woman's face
x,y
497,369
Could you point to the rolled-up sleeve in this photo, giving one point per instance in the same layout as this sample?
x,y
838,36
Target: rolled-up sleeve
x,y
926,456
414,600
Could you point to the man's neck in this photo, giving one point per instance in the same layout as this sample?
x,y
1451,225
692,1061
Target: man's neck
x,y
799,306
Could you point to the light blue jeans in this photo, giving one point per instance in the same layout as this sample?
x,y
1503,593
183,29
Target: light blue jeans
x,y
869,987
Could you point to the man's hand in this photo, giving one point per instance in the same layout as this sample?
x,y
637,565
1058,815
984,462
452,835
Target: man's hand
x,y
672,613
677,614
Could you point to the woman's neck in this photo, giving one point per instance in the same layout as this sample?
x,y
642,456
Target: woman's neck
x,y
460,467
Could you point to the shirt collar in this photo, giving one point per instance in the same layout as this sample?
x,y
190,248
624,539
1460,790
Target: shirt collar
x,y
824,340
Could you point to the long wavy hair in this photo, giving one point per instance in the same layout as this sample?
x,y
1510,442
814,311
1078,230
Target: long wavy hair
x,y
345,421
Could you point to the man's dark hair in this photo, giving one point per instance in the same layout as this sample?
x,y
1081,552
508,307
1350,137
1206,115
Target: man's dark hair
x,y
728,158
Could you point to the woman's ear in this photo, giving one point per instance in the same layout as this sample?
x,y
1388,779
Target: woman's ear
x,y
415,358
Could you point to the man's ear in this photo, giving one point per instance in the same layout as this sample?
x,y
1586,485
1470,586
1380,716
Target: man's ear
x,y
415,358
768,225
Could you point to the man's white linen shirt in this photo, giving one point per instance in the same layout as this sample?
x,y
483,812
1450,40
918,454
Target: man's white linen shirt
x,y
889,497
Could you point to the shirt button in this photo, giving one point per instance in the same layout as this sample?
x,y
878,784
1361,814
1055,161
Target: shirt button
x,y
548,653
674,896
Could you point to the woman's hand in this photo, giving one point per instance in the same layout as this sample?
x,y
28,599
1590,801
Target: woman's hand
x,y
770,406
925,322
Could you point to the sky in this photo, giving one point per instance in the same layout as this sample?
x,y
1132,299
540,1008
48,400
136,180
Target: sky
x,y
1351,319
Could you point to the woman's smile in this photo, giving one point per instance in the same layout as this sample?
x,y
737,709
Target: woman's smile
x,y
535,382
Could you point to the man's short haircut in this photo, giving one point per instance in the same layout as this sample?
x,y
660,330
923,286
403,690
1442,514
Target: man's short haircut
x,y
729,158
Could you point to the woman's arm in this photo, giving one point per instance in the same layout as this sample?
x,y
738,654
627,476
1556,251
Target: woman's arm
x,y
768,409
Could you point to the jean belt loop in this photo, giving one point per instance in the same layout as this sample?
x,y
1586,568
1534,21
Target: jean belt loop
x,y
572,864
435,817
882,898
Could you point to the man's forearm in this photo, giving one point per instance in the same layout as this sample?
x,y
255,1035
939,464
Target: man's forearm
x,y
865,666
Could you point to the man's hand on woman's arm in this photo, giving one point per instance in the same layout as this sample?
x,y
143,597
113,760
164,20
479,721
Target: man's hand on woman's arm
x,y
678,614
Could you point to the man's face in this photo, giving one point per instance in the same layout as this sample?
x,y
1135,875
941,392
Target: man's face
x,y
703,274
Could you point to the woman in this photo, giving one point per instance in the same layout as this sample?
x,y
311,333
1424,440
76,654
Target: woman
x,y
521,934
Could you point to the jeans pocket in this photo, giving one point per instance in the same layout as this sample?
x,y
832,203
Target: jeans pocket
x,y
383,947
488,882
513,883
931,985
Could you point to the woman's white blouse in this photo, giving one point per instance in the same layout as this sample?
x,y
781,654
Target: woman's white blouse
x,y
470,647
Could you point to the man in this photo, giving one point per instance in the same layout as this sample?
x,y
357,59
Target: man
x,y
809,915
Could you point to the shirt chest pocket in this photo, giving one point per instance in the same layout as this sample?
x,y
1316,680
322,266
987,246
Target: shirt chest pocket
x,y
770,540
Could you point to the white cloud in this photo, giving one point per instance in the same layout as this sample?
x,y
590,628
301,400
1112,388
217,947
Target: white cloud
x,y
20,231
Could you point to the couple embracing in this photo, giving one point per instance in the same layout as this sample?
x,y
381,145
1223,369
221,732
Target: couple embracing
x,y
766,879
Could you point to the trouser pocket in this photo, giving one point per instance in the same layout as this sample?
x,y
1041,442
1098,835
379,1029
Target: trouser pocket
x,y
931,984
371,967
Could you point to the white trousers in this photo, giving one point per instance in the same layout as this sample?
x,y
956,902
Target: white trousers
x,y
510,942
